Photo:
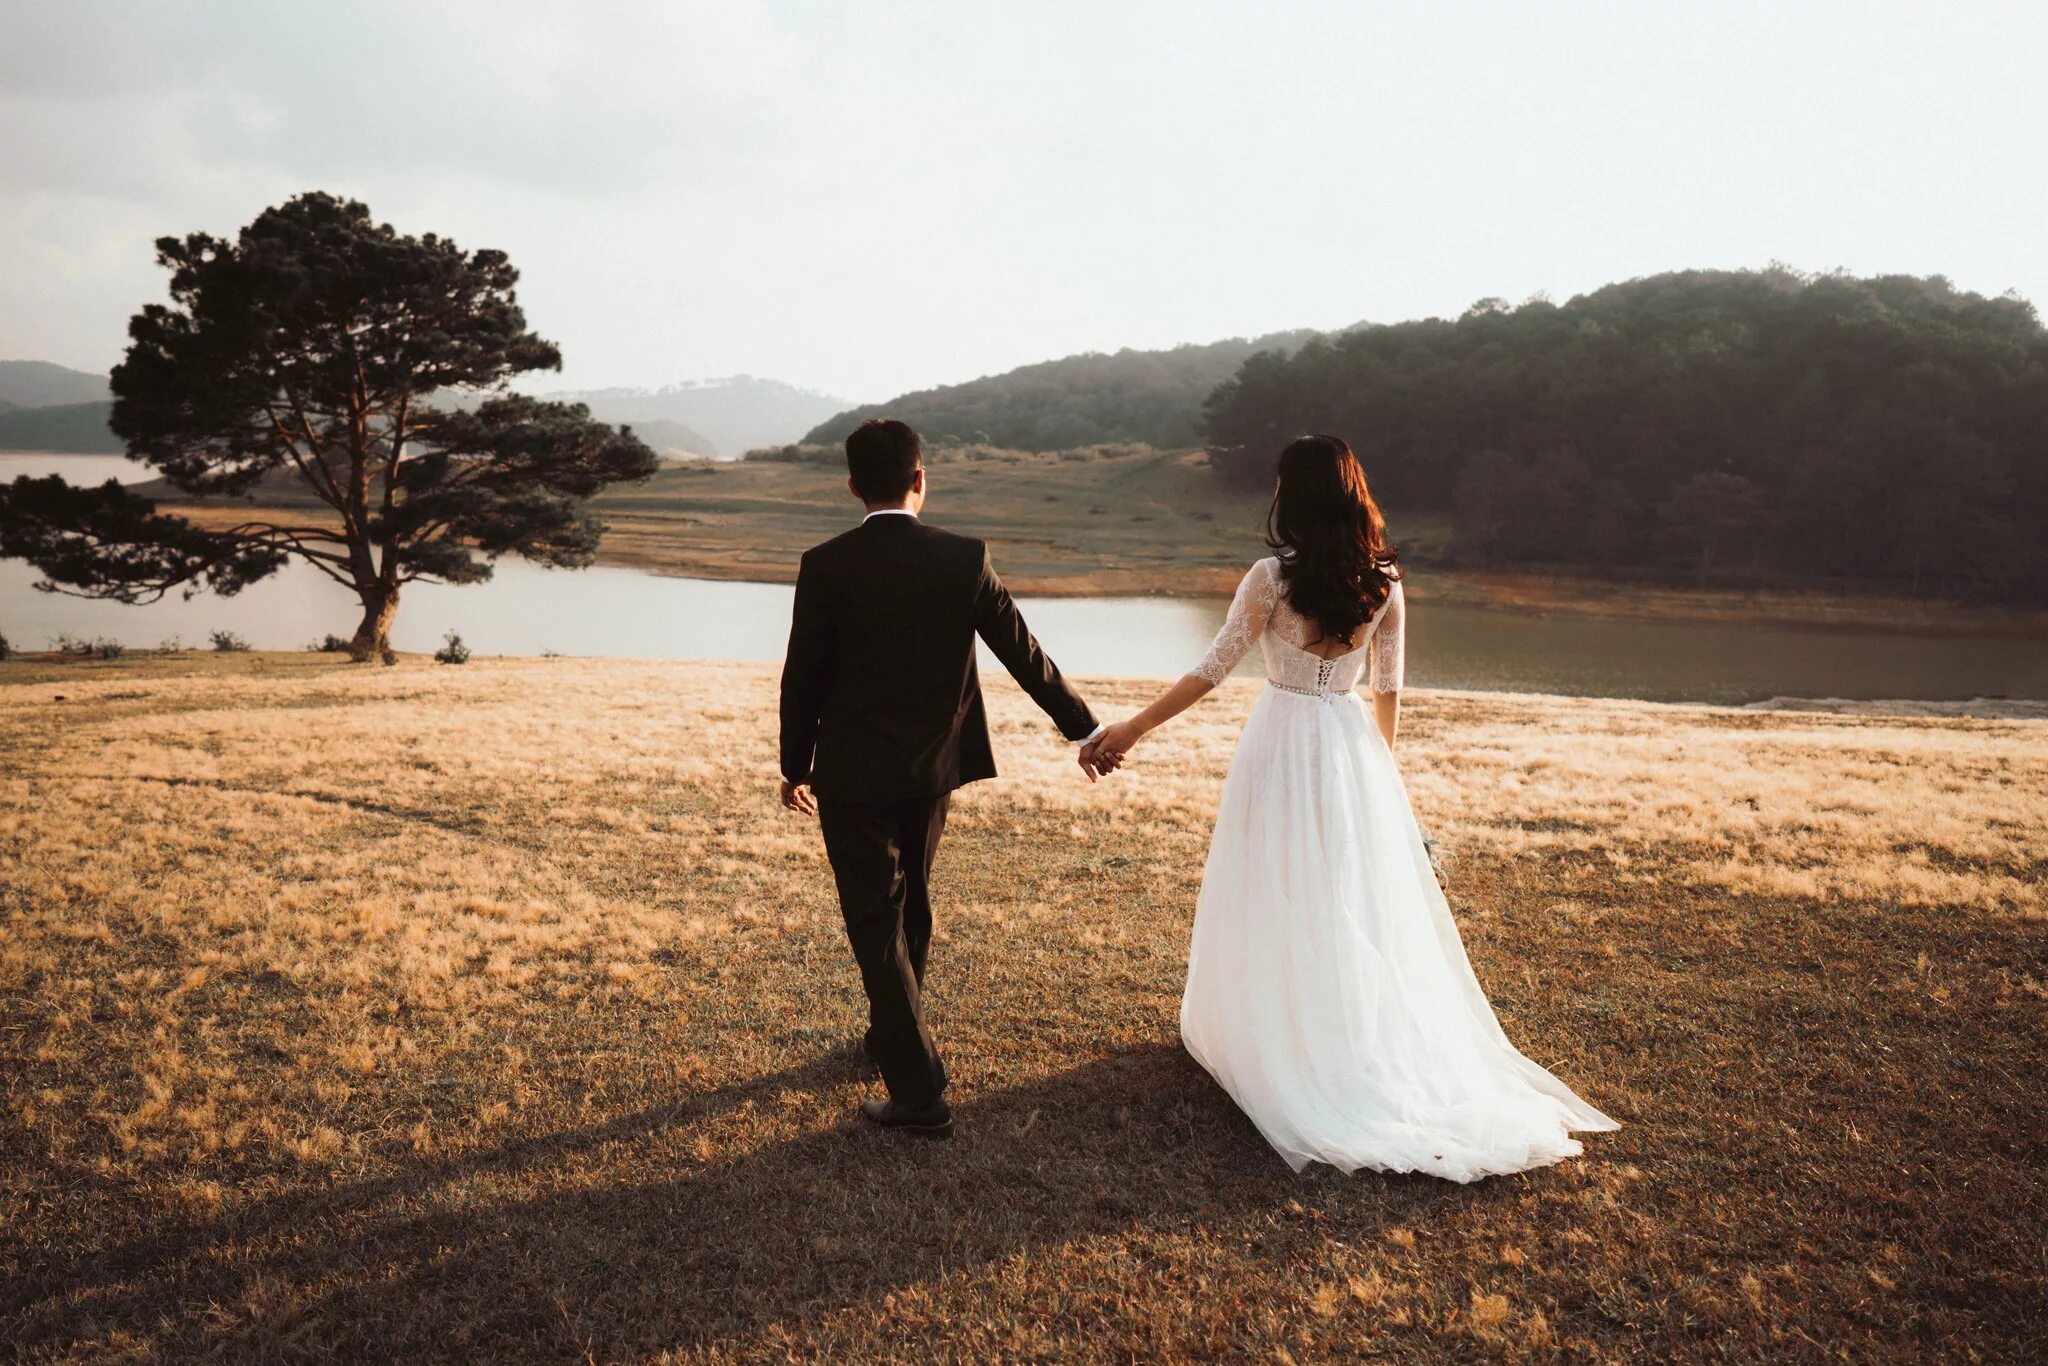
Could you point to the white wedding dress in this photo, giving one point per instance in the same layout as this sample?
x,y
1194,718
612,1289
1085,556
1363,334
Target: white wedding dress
x,y
1328,991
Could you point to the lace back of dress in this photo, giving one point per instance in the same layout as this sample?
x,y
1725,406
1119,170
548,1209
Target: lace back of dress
x,y
1261,613
1296,667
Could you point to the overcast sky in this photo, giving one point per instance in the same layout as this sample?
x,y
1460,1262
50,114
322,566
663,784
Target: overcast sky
x,y
871,197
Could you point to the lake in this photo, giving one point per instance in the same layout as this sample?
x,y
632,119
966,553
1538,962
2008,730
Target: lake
x,y
77,469
629,613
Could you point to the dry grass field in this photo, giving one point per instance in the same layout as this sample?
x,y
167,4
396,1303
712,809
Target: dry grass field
x,y
496,1011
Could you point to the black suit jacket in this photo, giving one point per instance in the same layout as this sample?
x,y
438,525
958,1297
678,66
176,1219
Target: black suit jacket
x,y
881,699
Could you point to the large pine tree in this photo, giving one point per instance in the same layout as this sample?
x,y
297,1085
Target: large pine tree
x,y
311,347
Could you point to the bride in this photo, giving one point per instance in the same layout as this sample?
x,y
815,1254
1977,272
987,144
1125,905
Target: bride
x,y
1328,991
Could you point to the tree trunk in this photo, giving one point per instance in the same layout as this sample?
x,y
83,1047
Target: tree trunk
x,y
373,637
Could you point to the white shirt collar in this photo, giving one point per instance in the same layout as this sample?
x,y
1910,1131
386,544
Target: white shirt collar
x,y
888,512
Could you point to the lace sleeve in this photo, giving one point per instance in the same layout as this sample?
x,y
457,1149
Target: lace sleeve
x,y
1389,642
1249,612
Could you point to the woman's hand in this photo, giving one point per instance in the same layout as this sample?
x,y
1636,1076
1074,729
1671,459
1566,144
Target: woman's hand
x,y
1110,747
1116,741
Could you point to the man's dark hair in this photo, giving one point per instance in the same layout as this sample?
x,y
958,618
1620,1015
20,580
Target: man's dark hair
x,y
883,456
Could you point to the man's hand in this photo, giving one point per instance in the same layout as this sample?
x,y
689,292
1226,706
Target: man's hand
x,y
797,797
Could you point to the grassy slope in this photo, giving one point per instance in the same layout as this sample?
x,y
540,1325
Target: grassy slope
x,y
1145,522
495,1011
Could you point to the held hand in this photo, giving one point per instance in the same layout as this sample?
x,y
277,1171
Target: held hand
x,y
797,797
1114,744
1094,762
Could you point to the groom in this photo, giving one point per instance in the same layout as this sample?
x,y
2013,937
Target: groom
x,y
882,718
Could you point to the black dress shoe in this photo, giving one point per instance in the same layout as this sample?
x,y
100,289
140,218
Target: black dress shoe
x,y
931,1121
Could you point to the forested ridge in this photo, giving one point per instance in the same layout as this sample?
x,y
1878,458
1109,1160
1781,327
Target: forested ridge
x,y
77,428
1734,427
1154,397
45,407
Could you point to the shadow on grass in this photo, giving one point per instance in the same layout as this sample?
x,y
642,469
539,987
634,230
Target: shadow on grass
x,y
473,829
528,1248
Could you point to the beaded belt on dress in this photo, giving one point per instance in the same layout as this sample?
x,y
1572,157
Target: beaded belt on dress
x,y
1326,694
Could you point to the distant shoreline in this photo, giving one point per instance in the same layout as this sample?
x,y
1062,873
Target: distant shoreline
x,y
1523,592
33,668
1151,525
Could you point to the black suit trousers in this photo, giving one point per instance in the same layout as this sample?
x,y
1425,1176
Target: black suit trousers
x,y
881,855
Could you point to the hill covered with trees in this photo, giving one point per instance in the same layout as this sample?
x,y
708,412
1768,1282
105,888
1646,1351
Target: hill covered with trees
x,y
1152,397
75,428
1735,427
45,407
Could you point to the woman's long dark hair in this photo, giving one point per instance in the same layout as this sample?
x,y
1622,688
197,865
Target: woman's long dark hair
x,y
1335,559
